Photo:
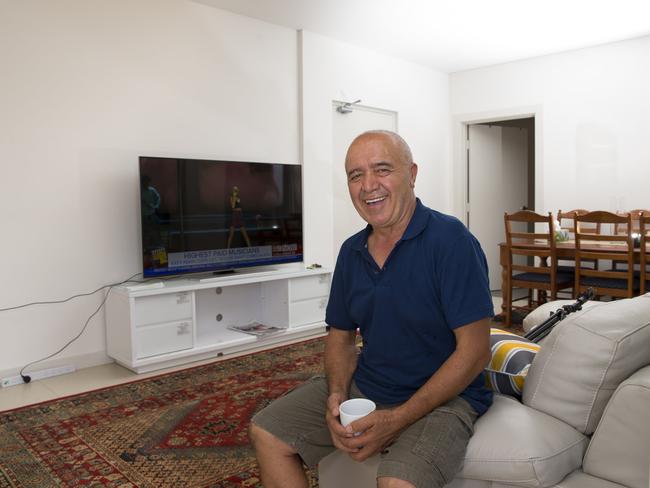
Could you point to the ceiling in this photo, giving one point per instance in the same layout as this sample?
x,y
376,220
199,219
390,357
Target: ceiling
x,y
457,35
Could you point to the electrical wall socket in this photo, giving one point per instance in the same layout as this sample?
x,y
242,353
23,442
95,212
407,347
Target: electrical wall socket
x,y
38,375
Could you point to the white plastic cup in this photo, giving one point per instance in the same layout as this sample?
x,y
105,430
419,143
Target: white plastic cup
x,y
354,409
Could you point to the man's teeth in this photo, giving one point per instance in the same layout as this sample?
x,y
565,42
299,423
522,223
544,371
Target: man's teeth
x,y
374,200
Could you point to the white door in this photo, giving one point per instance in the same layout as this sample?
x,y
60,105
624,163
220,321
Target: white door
x,y
345,127
498,183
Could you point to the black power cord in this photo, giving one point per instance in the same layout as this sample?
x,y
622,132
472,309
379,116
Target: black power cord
x,y
25,377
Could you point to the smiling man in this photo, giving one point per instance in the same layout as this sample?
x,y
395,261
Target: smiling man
x,y
414,283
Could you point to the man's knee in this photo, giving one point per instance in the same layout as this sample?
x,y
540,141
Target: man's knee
x,y
387,482
263,440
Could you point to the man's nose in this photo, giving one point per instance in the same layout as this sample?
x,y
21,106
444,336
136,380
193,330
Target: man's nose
x,y
369,182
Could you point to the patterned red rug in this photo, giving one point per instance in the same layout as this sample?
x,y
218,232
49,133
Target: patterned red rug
x,y
183,429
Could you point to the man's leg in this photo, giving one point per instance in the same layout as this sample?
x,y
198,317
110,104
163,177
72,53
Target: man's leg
x,y
429,453
385,482
280,465
291,432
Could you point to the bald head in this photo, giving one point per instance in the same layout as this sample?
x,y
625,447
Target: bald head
x,y
393,139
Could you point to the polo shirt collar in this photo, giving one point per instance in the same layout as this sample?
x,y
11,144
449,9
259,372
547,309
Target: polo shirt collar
x,y
417,224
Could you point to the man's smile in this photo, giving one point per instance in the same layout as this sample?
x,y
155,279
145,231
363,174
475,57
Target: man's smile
x,y
374,201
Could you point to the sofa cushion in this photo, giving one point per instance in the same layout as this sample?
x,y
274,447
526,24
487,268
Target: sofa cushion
x,y
543,312
579,479
583,360
619,450
511,358
515,444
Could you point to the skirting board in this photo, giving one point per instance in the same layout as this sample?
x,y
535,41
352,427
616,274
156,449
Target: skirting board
x,y
79,361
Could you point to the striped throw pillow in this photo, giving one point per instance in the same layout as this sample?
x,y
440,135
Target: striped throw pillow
x,y
511,358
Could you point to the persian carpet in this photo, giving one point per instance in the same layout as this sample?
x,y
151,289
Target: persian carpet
x,y
182,429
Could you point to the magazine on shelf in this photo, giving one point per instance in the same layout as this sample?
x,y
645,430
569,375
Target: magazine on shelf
x,y
256,328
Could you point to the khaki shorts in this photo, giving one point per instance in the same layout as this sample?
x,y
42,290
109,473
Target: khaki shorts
x,y
427,454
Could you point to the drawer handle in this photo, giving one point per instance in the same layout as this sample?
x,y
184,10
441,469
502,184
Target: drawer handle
x,y
183,329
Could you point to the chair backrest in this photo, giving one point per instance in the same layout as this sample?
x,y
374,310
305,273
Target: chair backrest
x,y
644,230
609,244
566,220
635,214
529,243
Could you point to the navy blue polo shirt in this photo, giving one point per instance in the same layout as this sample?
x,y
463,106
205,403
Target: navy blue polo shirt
x,y
433,281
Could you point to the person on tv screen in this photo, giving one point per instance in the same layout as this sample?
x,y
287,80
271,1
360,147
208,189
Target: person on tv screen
x,y
237,219
414,282
150,203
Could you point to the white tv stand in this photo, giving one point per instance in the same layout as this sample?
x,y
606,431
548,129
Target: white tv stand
x,y
150,326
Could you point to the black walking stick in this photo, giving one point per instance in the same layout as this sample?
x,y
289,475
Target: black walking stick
x,y
543,329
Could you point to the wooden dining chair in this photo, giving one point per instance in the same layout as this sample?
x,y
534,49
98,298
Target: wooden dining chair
x,y
566,221
636,229
644,230
612,245
635,214
531,262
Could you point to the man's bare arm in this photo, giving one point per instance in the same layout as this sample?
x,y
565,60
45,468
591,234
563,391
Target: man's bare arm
x,y
340,363
340,360
472,354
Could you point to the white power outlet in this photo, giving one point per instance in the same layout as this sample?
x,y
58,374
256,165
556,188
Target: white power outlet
x,y
38,375
11,381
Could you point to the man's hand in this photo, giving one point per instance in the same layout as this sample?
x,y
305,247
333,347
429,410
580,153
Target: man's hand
x,y
338,432
376,431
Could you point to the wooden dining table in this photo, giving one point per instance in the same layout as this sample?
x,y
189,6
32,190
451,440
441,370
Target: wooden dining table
x,y
565,250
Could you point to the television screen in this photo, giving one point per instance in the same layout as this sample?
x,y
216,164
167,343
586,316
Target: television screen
x,y
200,215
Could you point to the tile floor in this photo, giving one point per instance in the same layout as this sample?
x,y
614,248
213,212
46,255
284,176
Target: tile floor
x,y
91,379
84,380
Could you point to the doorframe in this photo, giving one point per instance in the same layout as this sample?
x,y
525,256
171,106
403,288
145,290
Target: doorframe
x,y
459,174
337,167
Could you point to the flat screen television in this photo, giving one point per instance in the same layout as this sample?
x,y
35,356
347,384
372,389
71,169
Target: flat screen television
x,y
202,216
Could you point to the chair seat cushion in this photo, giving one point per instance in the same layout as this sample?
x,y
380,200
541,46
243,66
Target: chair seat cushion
x,y
599,282
571,269
543,278
566,269
516,444
637,273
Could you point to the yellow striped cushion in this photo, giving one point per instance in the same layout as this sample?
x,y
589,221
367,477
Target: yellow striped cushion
x,y
511,358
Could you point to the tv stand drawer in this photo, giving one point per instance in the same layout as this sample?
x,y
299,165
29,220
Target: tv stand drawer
x,y
162,308
310,287
307,311
163,338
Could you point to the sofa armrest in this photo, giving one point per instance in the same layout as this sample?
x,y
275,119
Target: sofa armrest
x,y
620,447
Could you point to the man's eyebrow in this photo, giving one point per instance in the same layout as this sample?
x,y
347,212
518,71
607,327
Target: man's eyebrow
x,y
375,165
382,164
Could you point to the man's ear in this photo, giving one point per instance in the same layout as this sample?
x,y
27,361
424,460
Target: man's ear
x,y
414,174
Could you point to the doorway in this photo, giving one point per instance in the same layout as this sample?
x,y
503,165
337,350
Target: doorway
x,y
500,178
346,125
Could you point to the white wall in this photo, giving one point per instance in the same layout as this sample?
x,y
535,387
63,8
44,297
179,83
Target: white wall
x,y
594,108
333,70
87,86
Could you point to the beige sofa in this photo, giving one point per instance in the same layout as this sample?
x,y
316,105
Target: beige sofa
x,y
584,421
